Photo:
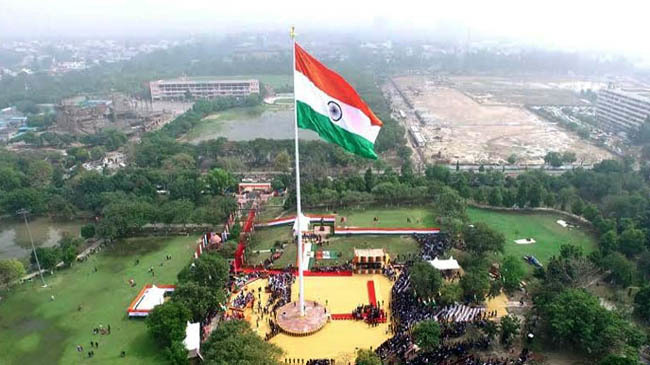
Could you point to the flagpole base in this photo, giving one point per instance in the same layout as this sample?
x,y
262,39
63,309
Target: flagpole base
x,y
292,323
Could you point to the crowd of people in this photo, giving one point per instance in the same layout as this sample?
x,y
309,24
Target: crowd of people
x,y
242,300
370,314
432,245
334,268
407,310
319,362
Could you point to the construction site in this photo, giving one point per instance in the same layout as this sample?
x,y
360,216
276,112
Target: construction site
x,y
482,120
88,115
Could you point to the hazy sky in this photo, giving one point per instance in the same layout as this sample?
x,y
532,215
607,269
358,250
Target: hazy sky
x,y
617,25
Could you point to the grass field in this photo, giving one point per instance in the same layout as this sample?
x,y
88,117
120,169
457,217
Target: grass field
x,y
388,217
36,330
541,227
265,238
394,245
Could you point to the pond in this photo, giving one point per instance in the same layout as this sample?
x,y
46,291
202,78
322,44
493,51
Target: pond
x,y
269,124
14,240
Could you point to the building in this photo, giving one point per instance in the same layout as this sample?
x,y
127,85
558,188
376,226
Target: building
x,y
184,88
622,109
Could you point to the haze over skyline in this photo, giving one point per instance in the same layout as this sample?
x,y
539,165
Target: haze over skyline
x,y
569,25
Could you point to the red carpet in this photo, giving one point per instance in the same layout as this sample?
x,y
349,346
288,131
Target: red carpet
x,y
342,317
371,293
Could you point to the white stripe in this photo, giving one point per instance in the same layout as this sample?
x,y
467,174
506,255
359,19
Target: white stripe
x,y
353,120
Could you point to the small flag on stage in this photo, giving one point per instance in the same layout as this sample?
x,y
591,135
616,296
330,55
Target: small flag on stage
x,y
328,105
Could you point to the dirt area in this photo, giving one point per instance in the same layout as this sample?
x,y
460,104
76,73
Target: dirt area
x,y
458,128
524,90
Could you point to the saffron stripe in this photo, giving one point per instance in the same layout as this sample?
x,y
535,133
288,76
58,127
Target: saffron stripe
x,y
331,83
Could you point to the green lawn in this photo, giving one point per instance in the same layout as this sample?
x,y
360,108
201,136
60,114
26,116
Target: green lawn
x,y
272,209
388,217
265,238
36,330
549,235
394,245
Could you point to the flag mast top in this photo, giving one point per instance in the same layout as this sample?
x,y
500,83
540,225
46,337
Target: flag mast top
x,y
292,34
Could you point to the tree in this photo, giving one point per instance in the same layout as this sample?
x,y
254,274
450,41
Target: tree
x,y
39,173
220,181
475,285
450,293
553,158
512,271
426,279
643,264
569,157
88,231
535,195
369,178
179,161
577,206
480,239
494,197
642,303
97,153
426,335
209,270
282,161
449,204
509,327
632,241
622,271
575,317
48,257
609,241
512,159
367,357
234,342
617,360
167,323
10,179
199,300
10,271
177,353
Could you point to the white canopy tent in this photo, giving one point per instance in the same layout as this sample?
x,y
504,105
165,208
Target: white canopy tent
x,y
192,341
443,265
304,224
152,297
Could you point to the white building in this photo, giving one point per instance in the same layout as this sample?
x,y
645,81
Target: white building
x,y
200,88
622,109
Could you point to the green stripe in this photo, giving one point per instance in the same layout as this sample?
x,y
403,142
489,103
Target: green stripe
x,y
308,118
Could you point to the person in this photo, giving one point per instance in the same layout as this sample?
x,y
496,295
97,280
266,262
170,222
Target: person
x,y
109,329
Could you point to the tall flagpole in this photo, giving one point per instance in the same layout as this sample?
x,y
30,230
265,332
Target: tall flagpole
x,y
297,155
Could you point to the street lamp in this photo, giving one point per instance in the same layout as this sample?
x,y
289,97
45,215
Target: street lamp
x,y
24,213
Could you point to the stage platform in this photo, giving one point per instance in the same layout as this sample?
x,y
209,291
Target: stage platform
x,y
290,321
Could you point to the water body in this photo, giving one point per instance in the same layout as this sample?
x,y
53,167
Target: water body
x,y
14,240
269,124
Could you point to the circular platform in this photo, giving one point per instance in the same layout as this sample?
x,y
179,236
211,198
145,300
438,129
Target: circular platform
x,y
292,323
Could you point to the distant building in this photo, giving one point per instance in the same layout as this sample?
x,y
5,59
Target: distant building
x,y
622,109
201,88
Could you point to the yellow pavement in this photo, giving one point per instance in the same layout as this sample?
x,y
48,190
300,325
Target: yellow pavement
x,y
338,339
499,304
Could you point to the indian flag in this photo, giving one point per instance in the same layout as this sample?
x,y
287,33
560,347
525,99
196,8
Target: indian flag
x,y
328,105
